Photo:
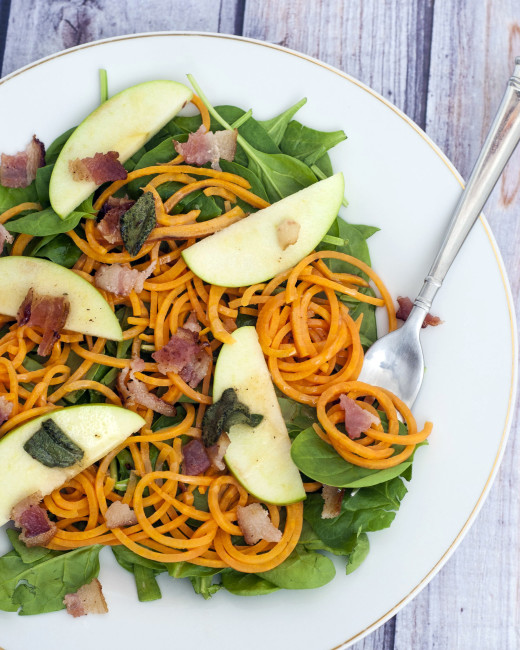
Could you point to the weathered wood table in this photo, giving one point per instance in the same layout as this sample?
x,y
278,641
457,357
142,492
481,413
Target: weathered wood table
x,y
444,63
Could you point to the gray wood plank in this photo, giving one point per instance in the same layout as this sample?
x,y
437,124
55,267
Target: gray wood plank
x,y
474,602
383,44
48,27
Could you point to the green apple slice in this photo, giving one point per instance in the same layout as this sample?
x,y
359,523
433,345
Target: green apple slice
x,y
95,428
250,250
260,457
124,124
89,312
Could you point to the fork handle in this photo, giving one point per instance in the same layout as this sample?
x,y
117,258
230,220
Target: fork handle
x,y
498,147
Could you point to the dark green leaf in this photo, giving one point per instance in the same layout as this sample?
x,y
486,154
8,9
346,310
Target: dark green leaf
x,y
40,587
11,196
301,570
137,223
280,174
204,586
246,584
256,184
60,249
52,447
359,554
146,584
276,126
187,570
308,145
28,554
321,462
43,177
53,151
45,222
128,559
223,414
310,540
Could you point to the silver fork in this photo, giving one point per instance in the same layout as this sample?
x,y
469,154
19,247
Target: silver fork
x,y
396,360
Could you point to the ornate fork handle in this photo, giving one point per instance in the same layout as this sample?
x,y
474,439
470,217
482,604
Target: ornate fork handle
x,y
500,143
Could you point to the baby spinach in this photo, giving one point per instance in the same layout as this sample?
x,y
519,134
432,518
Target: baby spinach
x,y
12,196
28,554
246,584
367,509
53,151
276,126
41,586
59,249
359,553
205,586
144,572
303,569
47,222
42,180
307,144
321,462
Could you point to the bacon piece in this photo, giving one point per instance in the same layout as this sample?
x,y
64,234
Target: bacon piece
x,y
184,355
332,498
135,392
192,323
121,279
6,408
112,211
88,599
208,146
47,312
405,307
119,514
195,458
20,169
255,524
287,233
217,452
5,236
37,529
357,419
101,168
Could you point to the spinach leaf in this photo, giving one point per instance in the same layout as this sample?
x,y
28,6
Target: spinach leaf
x,y
59,249
28,554
53,151
41,586
276,126
359,554
246,584
311,542
302,570
367,509
297,416
205,586
42,180
321,462
47,222
137,223
187,570
257,186
128,559
11,196
146,584
308,144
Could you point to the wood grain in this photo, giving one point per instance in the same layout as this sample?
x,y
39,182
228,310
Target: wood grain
x,y
48,27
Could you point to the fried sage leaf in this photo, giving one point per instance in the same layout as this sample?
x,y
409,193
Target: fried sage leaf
x,y
52,447
137,223
224,414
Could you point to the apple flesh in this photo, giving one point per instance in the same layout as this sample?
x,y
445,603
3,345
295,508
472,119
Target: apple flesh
x,y
124,123
95,428
249,251
89,311
259,457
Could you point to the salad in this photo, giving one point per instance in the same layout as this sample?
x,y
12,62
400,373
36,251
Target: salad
x,y
184,324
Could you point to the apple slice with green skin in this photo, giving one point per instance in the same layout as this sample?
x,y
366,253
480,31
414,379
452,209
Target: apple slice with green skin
x,y
89,312
124,123
249,251
259,457
95,428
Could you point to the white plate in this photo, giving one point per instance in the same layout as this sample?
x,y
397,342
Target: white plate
x,y
396,179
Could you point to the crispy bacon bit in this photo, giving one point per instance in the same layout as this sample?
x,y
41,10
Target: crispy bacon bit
x,y
405,307
208,146
184,355
255,524
47,312
217,452
191,323
195,458
112,212
119,514
357,419
101,168
135,392
20,170
88,599
121,279
5,236
6,408
287,233
37,529
332,498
